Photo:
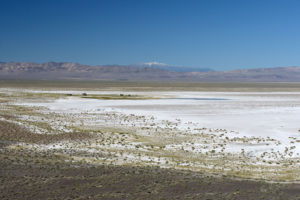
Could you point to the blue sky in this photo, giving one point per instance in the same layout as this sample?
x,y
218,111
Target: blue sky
x,y
218,34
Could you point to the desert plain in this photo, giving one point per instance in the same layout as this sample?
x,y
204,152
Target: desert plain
x,y
220,140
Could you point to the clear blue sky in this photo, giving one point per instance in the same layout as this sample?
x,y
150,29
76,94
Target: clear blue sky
x,y
219,34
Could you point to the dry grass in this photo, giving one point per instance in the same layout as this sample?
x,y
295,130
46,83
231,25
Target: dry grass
x,y
14,133
150,86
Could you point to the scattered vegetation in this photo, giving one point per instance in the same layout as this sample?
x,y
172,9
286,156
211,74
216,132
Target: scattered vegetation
x,y
109,155
28,175
119,97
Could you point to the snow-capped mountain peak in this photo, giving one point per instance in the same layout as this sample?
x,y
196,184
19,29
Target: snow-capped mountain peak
x,y
150,64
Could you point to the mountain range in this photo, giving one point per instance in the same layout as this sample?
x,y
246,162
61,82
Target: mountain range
x,y
142,72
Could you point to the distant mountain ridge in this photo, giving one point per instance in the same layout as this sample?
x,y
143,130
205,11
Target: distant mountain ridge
x,y
142,72
172,68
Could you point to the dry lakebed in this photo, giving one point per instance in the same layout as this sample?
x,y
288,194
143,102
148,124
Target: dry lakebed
x,y
243,134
